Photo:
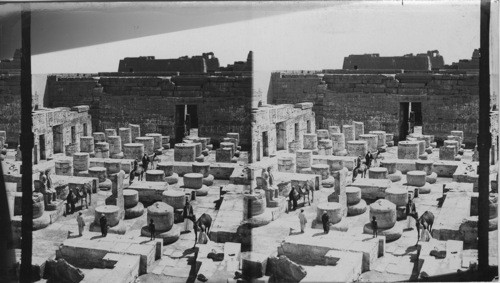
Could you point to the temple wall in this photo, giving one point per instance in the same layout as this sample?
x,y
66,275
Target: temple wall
x,y
10,107
449,101
279,121
224,103
51,122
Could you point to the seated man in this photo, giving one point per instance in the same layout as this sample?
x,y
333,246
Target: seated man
x,y
41,187
50,186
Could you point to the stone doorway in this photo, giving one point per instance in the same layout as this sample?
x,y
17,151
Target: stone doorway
x,y
265,143
410,116
57,132
281,136
186,119
42,147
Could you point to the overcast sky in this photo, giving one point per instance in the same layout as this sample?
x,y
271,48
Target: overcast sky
x,y
283,35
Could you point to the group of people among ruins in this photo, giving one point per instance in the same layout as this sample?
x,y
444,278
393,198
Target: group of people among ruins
x,y
45,187
139,169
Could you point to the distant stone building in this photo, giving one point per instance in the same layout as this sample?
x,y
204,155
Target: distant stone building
x,y
422,61
159,99
465,64
274,127
441,99
59,130
11,66
10,98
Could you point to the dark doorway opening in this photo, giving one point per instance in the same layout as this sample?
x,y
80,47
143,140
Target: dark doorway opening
x,y
192,111
186,118
410,115
297,132
308,126
42,147
57,133
258,151
85,129
280,136
265,143
73,135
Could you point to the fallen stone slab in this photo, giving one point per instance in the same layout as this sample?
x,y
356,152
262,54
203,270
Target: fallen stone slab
x,y
253,265
88,251
372,188
390,234
300,248
61,271
282,268
456,208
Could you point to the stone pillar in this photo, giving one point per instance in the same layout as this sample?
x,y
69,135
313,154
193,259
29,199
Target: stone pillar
x,y
371,141
193,180
168,168
81,162
185,152
390,165
447,152
235,136
165,142
382,142
111,212
348,131
3,138
102,150
202,168
87,145
157,140
427,140
325,147
99,137
398,196
339,195
424,165
286,164
112,166
377,173
385,213
359,129
223,155
333,209
99,173
203,142
310,141
389,139
323,170
115,146
117,190
230,145
64,167
176,199
333,130
454,143
148,143
135,131
421,146
303,159
338,144
416,178
162,215
322,134
125,135
133,151
357,148
408,150
155,176
109,132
